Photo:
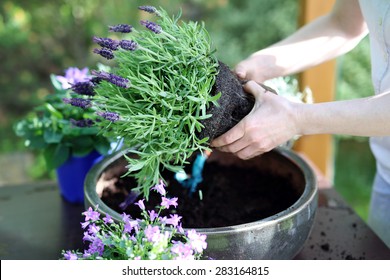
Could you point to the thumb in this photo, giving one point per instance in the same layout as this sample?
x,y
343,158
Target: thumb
x,y
255,89
240,71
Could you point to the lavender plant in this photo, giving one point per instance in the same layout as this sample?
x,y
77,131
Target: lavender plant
x,y
155,237
158,93
61,131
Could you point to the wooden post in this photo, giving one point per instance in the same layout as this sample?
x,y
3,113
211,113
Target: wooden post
x,y
321,80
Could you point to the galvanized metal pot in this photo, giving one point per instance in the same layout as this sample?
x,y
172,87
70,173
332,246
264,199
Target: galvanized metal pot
x,y
280,236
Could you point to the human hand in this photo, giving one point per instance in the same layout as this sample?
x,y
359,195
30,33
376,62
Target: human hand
x,y
257,67
271,122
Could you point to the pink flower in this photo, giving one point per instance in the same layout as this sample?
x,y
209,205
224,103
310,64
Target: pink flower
x,y
197,241
140,204
166,202
173,220
160,188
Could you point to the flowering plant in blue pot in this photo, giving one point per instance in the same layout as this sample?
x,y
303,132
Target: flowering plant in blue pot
x,y
66,135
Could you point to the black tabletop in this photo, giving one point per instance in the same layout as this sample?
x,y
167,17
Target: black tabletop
x,y
36,223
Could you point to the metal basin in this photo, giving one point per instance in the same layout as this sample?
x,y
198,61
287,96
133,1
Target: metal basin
x,y
280,236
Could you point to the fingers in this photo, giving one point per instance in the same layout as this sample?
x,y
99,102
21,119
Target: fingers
x,y
234,134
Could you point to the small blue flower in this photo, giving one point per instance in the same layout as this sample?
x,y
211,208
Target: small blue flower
x,y
105,52
152,26
123,28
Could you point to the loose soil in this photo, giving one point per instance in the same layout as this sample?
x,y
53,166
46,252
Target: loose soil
x,y
231,195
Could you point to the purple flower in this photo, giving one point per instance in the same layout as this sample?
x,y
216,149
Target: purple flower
x,y
183,251
140,204
173,220
123,28
73,75
112,78
129,226
130,198
160,188
167,202
82,123
78,102
84,88
88,237
149,9
105,52
85,224
153,215
197,241
106,43
96,246
70,256
110,116
129,45
90,214
152,26
108,219
152,233
93,229
125,218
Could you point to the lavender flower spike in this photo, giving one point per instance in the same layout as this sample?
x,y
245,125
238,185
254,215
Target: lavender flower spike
x,y
149,9
106,43
129,45
78,102
84,88
82,123
123,28
105,52
112,78
110,116
152,26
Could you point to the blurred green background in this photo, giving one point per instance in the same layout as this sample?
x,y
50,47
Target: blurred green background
x,y
39,37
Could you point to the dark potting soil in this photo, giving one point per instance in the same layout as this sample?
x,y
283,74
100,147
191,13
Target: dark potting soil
x,y
231,196
234,104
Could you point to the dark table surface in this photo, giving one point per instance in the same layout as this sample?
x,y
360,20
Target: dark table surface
x,y
36,223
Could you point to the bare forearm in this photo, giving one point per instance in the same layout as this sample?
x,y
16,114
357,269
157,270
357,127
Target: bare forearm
x,y
359,117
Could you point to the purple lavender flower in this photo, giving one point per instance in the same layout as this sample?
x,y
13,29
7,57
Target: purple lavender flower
x,y
90,214
160,188
112,78
84,88
123,28
173,220
70,256
78,102
129,45
148,9
106,43
82,123
110,116
167,202
105,52
152,26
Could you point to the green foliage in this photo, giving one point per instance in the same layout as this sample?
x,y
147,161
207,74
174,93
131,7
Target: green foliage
x,y
49,129
171,75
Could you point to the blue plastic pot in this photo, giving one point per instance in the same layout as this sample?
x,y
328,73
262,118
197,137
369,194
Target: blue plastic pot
x,y
71,176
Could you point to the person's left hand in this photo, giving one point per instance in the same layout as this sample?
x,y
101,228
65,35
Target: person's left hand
x,y
271,122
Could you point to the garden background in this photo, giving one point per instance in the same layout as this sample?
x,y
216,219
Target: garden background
x,y
39,37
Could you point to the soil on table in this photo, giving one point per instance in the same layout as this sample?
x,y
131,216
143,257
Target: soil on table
x,y
231,196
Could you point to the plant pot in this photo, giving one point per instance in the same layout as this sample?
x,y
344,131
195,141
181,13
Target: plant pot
x,y
71,176
279,234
